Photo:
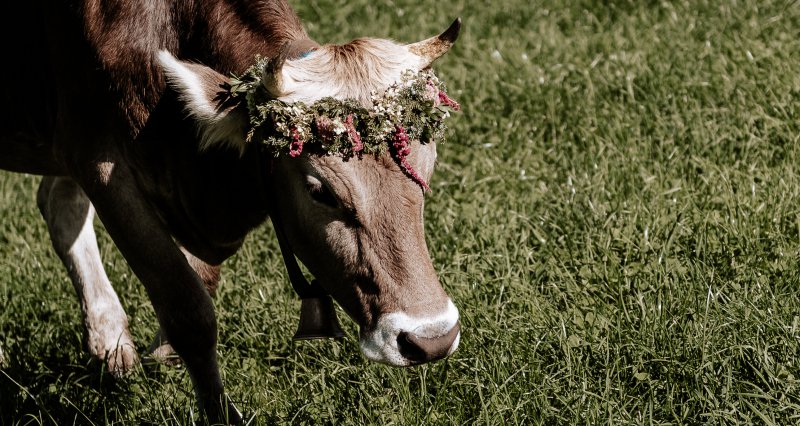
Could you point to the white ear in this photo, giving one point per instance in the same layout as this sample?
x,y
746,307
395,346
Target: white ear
x,y
200,88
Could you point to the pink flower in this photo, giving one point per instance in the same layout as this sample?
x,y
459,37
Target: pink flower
x,y
401,150
296,146
432,92
353,133
400,142
325,129
446,101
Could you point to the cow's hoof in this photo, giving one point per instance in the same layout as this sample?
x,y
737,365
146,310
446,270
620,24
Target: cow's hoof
x,y
161,352
224,414
121,359
113,348
234,415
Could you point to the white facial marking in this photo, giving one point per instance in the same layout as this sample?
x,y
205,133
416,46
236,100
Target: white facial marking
x,y
380,344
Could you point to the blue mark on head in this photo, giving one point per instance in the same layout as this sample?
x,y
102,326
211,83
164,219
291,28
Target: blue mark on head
x,y
307,54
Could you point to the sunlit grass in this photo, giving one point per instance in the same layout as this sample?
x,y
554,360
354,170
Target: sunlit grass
x,y
616,213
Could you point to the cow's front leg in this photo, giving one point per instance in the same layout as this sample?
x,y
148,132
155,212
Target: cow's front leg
x,y
69,216
183,306
160,351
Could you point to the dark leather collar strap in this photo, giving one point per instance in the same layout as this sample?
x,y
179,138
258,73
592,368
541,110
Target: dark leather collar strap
x,y
298,280
317,314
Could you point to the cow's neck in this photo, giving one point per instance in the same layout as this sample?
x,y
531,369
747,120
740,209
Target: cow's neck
x,y
209,200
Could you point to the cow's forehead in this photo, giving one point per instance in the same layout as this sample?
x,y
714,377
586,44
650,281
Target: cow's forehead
x,y
353,70
372,175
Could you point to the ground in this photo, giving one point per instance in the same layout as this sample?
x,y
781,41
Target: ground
x,y
615,213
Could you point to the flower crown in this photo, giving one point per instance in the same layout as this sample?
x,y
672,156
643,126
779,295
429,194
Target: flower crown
x,y
414,108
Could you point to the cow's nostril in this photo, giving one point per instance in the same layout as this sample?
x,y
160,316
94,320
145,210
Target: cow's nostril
x,y
419,349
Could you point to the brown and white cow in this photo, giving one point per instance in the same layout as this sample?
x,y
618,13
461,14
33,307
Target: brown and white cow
x,y
105,99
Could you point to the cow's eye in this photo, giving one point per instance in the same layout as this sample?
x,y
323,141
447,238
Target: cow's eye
x,y
321,193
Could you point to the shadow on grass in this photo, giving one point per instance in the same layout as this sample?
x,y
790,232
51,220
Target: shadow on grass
x,y
51,387
54,386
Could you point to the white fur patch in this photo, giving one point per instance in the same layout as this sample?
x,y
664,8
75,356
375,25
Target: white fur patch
x,y
380,344
105,169
104,314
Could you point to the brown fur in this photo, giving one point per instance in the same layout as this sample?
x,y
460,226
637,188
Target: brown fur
x,y
125,34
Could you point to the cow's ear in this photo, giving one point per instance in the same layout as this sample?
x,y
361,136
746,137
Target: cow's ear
x,y
203,94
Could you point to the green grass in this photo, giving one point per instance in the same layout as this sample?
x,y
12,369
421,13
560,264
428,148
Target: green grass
x,y
616,213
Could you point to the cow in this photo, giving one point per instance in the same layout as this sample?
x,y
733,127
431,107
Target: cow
x,y
116,104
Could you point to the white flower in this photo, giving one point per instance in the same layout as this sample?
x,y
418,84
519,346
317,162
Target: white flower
x,y
338,127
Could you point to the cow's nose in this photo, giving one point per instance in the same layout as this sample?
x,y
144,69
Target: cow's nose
x,y
418,349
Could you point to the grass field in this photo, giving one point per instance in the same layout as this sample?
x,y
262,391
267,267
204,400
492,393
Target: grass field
x,y
616,213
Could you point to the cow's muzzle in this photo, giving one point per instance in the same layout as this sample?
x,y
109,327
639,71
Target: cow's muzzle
x,y
401,340
418,349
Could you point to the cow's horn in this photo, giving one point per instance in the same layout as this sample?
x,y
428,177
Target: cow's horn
x,y
434,47
272,77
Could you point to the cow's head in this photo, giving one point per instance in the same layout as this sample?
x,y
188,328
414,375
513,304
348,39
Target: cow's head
x,y
357,223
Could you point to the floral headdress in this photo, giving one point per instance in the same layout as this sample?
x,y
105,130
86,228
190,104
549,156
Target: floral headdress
x,y
414,108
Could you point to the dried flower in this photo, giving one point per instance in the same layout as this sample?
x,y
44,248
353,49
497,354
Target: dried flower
x,y
296,146
401,151
446,101
325,129
355,138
